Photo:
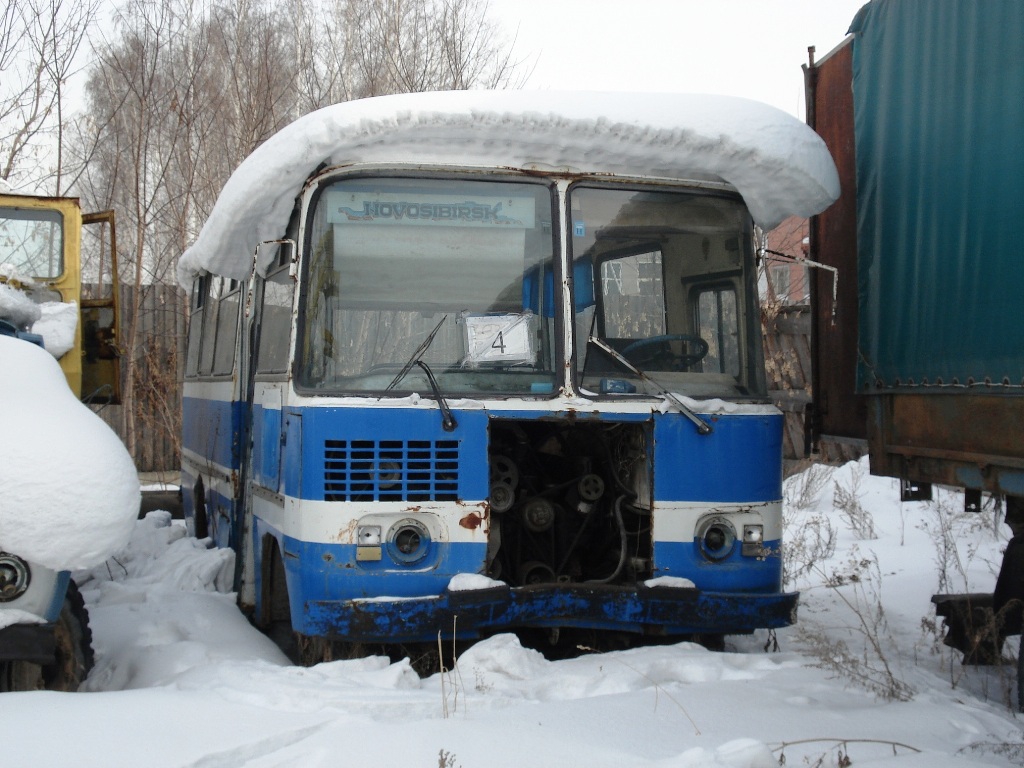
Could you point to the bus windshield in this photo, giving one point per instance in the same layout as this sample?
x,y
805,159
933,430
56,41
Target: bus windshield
x,y
456,273
665,279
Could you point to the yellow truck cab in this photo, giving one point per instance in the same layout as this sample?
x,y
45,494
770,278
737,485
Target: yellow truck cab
x,y
42,242
46,247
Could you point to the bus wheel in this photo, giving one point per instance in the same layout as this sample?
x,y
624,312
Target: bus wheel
x,y
73,654
274,615
313,650
201,528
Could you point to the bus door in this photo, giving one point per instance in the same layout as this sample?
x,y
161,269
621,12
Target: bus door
x,y
263,375
101,365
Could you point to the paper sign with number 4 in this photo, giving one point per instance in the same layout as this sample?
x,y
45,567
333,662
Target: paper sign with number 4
x,y
499,339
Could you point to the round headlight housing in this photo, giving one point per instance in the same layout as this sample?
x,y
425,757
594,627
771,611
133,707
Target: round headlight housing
x,y
408,541
717,538
15,576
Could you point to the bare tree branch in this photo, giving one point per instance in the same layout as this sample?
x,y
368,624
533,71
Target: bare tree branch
x,y
40,42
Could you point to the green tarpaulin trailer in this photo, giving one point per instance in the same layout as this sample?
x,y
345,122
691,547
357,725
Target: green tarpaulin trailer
x,y
922,351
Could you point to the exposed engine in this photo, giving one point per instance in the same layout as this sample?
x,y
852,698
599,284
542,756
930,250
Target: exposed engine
x,y
569,502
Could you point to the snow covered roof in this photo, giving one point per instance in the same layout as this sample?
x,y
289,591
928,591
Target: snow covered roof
x,y
778,164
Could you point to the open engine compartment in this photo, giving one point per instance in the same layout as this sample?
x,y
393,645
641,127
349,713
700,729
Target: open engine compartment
x,y
569,502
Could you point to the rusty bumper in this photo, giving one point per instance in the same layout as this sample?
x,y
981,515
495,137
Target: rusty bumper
x,y
655,611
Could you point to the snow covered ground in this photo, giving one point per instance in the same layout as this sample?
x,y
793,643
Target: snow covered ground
x,y
182,679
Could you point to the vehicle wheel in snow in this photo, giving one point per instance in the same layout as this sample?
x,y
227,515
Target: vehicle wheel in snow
x,y
74,657
1020,676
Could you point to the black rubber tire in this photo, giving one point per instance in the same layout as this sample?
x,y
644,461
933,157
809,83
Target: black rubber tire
x,y
1020,676
74,656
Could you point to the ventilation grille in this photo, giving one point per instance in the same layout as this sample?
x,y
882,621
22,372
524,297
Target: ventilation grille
x,y
391,470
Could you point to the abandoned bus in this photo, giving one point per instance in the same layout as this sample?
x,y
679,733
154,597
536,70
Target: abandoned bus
x,y
461,363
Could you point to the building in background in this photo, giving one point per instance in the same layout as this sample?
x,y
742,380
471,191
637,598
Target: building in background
x,y
783,280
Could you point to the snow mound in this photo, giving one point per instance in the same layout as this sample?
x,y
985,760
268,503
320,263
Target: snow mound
x,y
55,321
16,307
675,582
468,582
778,164
739,753
171,648
69,492
57,326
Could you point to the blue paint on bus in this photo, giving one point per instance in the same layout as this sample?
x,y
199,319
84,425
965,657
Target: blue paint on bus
x,y
451,408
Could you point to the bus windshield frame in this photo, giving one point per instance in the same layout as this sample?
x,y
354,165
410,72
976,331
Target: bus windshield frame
x,y
455,271
665,277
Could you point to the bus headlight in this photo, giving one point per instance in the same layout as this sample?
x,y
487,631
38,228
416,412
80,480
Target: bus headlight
x,y
408,541
753,540
368,543
368,535
717,538
15,576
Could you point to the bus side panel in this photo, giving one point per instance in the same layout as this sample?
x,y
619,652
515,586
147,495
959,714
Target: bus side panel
x,y
321,575
332,461
339,445
741,461
267,436
734,473
211,457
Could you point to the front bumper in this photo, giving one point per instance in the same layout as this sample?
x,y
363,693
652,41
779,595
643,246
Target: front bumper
x,y
655,611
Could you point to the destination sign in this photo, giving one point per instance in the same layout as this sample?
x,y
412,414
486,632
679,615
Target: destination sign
x,y
432,210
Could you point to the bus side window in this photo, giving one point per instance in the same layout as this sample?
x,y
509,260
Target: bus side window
x,y
276,322
215,290
227,328
633,296
718,325
197,306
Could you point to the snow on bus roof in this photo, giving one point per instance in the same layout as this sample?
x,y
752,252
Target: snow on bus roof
x,y
778,164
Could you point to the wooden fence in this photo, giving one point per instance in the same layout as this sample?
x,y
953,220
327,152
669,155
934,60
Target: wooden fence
x,y
152,431
159,357
787,352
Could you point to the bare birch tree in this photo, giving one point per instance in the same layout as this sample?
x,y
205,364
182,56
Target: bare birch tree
x,y
136,93
186,89
39,45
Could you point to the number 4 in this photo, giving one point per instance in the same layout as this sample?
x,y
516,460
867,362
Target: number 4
x,y
499,343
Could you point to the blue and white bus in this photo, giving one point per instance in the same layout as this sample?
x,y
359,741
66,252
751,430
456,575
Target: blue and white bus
x,y
462,363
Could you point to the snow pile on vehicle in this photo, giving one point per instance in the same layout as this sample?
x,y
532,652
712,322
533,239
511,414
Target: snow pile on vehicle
x,y
16,307
69,492
11,616
55,321
57,324
778,164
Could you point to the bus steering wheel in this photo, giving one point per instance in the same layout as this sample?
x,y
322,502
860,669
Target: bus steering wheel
x,y
682,362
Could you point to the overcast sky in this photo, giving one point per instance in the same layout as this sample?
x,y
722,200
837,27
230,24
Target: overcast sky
x,y
749,48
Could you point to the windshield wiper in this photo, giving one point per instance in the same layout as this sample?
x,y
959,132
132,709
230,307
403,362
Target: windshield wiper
x,y
414,358
703,427
448,423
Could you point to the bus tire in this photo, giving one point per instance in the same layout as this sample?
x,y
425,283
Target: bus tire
x,y
1020,675
200,524
73,653
273,615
